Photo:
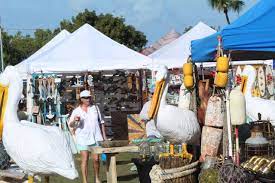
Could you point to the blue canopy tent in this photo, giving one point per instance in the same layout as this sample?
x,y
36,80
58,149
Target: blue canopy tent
x,y
250,37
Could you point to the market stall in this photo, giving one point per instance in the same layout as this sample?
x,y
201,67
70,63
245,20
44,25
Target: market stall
x,y
243,93
112,72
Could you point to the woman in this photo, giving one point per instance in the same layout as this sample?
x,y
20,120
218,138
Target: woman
x,y
86,121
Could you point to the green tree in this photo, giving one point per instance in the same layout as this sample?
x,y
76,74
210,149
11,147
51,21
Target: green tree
x,y
113,27
42,37
186,29
227,5
19,48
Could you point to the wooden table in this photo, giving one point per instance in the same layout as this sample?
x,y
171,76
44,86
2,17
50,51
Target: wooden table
x,y
111,159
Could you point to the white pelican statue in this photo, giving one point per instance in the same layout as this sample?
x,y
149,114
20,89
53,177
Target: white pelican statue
x,y
255,105
151,129
35,148
175,124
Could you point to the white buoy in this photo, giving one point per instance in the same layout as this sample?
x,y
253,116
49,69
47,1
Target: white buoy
x,y
237,106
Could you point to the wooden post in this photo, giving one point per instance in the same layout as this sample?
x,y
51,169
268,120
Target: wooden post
x,y
47,179
140,92
225,136
111,168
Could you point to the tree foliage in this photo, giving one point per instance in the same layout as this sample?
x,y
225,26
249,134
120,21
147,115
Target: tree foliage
x,y
227,5
19,47
188,28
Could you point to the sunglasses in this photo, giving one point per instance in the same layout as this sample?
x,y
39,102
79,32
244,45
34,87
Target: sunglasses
x,y
86,97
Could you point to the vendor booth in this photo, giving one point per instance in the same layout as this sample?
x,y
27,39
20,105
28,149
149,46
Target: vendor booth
x,y
88,59
246,93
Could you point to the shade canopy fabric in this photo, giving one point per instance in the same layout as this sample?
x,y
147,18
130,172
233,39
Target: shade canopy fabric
x,y
175,54
22,67
87,49
244,62
254,32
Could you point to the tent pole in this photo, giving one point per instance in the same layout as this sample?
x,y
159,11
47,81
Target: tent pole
x,y
1,48
29,97
228,121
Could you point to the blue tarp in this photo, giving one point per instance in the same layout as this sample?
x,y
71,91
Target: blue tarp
x,y
253,31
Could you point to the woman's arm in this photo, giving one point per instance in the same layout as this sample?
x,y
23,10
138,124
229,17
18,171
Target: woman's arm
x,y
101,123
73,120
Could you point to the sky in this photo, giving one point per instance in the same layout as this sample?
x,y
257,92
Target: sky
x,y
153,17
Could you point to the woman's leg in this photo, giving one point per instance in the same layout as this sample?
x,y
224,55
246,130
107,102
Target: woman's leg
x,y
84,165
96,164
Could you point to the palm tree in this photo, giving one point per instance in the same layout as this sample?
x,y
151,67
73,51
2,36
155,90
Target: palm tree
x,y
227,5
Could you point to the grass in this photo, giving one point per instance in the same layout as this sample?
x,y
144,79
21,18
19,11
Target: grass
x,y
123,171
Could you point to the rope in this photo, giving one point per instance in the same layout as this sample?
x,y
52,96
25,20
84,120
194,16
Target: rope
x,y
158,175
183,168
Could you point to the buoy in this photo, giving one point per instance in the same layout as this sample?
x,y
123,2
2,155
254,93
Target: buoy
x,y
221,79
188,81
188,69
237,106
184,98
222,64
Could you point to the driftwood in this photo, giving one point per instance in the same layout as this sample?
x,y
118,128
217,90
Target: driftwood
x,y
204,96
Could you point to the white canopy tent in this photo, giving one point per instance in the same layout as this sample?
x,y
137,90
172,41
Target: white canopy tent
x,y
22,67
87,49
175,54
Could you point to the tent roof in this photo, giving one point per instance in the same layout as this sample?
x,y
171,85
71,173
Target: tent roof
x,y
254,31
176,53
22,67
87,49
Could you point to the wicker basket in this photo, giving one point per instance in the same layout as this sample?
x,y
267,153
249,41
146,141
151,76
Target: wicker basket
x,y
186,173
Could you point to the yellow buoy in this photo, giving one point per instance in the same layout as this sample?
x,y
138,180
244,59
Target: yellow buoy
x,y
221,79
187,69
188,81
222,64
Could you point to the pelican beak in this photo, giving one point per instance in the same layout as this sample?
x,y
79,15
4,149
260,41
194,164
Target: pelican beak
x,y
156,99
3,103
243,84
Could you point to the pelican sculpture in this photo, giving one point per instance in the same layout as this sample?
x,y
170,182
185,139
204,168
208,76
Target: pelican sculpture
x,y
255,105
151,129
35,148
175,124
